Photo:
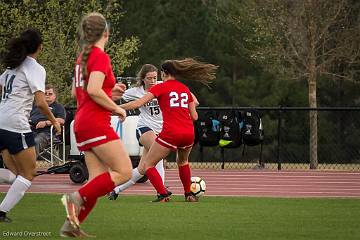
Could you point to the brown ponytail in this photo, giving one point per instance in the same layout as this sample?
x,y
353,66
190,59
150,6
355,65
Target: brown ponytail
x,y
92,27
190,69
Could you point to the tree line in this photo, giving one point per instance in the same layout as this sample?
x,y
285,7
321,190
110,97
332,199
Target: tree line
x,y
269,52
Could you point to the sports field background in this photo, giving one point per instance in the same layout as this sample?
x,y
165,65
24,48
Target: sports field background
x,y
289,205
135,217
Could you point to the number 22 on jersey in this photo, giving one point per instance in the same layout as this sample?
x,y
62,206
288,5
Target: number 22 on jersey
x,y
177,100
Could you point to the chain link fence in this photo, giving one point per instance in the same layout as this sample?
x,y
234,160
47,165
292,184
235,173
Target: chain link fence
x,y
286,142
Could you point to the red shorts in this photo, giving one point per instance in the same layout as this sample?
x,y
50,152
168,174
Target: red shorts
x,y
86,140
175,141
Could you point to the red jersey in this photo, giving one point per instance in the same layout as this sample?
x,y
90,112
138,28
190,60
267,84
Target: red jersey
x,y
174,98
91,115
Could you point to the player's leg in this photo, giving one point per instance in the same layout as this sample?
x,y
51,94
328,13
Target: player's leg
x,y
110,154
146,138
184,168
25,162
115,157
155,154
182,160
161,169
136,175
8,174
95,168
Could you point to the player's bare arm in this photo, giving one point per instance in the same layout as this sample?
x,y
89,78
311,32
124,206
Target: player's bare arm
x,y
139,102
195,99
192,110
95,91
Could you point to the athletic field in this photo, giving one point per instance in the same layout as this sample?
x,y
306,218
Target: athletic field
x,y
253,205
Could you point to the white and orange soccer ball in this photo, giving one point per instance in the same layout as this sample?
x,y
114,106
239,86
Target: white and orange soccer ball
x,y
197,186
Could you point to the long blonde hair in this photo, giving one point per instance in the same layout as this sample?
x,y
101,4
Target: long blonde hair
x,y
91,29
190,69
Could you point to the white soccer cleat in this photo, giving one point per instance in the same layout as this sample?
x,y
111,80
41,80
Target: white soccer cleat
x,y
72,210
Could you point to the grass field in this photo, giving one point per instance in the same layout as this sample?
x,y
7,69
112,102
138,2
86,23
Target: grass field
x,y
135,217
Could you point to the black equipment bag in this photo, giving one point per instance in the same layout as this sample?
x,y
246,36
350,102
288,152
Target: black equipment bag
x,y
230,135
208,129
251,128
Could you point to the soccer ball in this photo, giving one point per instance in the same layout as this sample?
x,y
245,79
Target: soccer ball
x,y
197,186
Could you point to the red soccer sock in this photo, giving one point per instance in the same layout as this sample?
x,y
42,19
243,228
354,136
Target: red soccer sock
x,y
86,209
185,176
156,180
97,187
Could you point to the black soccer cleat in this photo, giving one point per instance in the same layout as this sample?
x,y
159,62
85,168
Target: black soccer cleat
x,y
5,219
163,197
113,195
189,197
167,190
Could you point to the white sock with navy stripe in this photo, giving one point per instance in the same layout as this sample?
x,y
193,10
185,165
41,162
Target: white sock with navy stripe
x,y
6,176
135,177
15,193
160,168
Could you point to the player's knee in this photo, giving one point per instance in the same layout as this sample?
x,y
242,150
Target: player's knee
x,y
29,174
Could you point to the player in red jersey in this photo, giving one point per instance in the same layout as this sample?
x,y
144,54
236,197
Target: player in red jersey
x,y
107,161
178,108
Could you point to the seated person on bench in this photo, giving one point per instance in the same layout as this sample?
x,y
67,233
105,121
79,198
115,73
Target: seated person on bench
x,y
40,124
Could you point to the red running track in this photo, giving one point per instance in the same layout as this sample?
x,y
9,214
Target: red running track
x,y
267,183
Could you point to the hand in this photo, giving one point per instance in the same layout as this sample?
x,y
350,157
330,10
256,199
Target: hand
x,y
41,124
117,91
57,128
195,99
121,113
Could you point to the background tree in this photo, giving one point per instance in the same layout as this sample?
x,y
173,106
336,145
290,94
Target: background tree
x,y
58,21
308,39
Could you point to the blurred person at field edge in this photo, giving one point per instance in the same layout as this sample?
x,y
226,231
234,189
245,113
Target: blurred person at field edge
x,y
177,105
41,125
22,82
107,161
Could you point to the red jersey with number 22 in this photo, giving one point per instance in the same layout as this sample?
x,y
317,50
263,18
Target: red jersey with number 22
x,y
174,98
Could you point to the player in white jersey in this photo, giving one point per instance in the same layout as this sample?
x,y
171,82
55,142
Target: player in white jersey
x,y
22,81
149,124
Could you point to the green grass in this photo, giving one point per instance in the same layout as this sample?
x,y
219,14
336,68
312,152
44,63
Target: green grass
x,y
134,217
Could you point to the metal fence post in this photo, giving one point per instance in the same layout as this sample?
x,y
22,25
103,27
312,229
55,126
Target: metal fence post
x,y
223,158
279,137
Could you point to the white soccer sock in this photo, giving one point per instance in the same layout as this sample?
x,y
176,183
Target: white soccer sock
x,y
160,168
135,177
6,176
15,193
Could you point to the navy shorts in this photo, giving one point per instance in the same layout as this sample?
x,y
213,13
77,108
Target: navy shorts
x,y
140,131
15,142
